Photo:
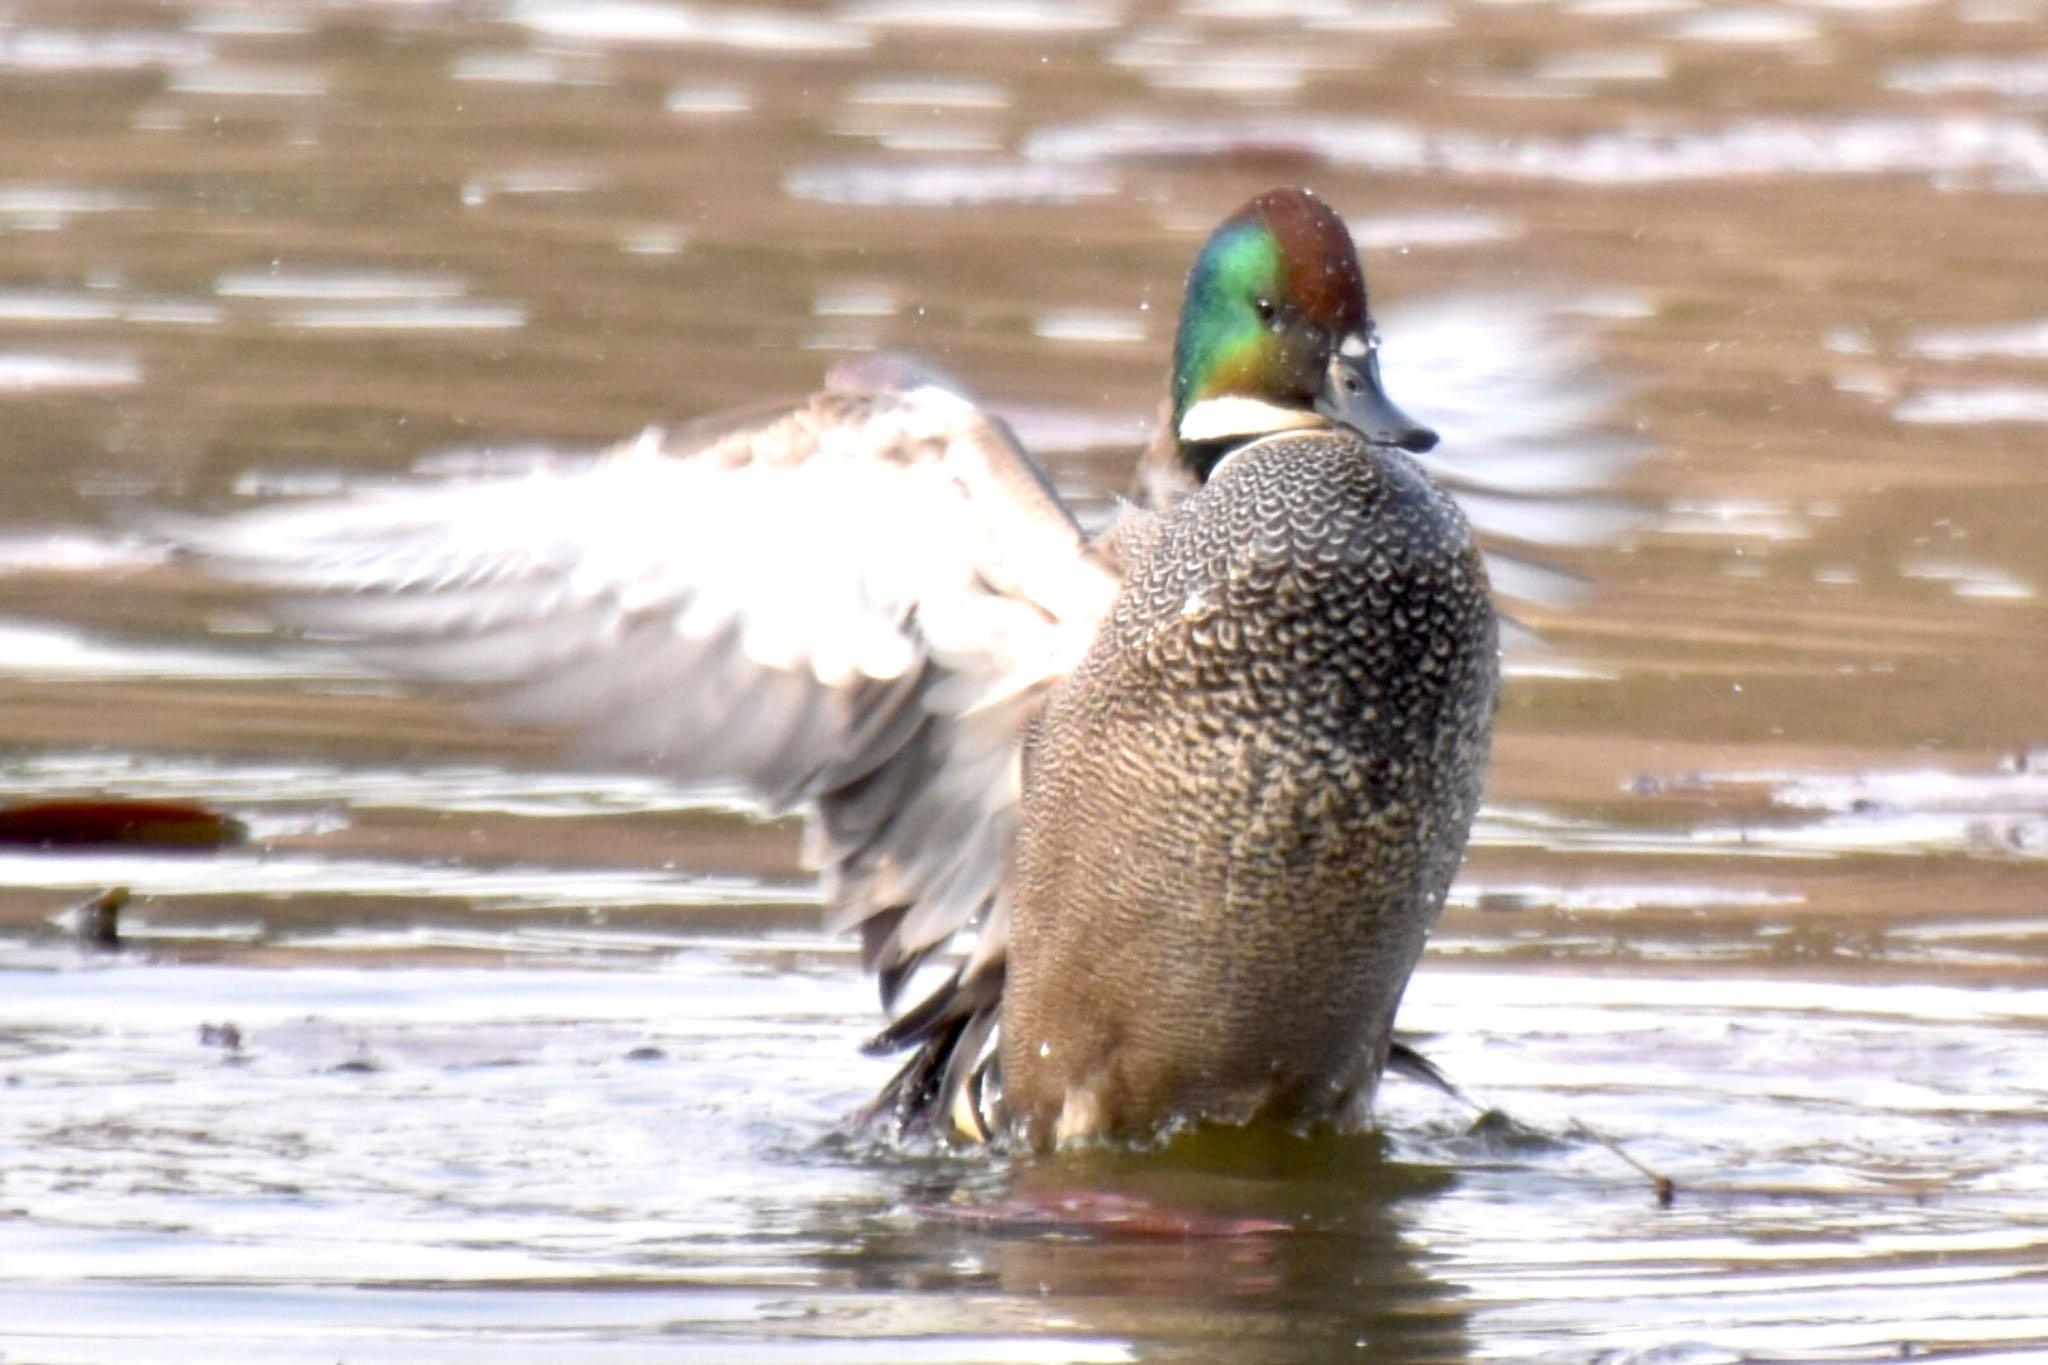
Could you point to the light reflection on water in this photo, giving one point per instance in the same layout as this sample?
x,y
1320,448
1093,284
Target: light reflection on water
x,y
539,1062
651,1132
2013,149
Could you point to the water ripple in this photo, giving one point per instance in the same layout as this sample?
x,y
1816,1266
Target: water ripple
x,y
249,81
646,21
1976,404
39,650
27,371
2015,151
2013,77
2020,341
406,317
71,51
946,184
990,16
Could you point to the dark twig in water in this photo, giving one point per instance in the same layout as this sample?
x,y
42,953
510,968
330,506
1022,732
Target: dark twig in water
x,y
1665,1190
1404,1059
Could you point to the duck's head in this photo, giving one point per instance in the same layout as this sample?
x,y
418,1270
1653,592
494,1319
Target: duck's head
x,y
1275,336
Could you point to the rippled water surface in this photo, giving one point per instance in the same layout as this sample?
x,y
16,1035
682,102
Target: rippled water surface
x,y
471,1053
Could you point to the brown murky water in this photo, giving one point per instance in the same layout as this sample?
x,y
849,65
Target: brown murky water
x,y
538,1063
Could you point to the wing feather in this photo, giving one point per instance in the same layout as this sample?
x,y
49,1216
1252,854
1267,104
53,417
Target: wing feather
x,y
854,606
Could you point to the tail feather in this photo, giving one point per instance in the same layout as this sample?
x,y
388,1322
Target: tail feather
x,y
946,1080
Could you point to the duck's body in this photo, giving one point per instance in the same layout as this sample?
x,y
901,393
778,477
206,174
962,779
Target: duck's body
x,y
1200,787
1243,809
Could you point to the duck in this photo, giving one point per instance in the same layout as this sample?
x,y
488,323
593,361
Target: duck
x,y
1158,817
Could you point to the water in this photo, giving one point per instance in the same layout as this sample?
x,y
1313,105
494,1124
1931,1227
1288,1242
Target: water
x,y
530,1061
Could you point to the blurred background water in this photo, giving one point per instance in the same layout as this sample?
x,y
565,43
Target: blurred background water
x,y
471,1055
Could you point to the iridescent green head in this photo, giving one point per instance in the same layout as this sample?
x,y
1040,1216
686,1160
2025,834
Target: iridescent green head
x,y
1275,335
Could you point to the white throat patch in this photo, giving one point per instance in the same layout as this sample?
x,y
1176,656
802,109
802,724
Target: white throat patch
x,y
1233,414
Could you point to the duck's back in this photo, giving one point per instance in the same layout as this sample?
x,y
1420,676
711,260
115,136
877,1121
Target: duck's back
x,y
1242,812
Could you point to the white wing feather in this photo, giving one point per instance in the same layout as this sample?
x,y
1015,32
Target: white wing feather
x,y
857,606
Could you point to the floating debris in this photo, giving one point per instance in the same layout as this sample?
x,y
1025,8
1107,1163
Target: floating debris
x,y
117,823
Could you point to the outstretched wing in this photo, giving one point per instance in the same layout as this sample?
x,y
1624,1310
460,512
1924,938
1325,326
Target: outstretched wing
x,y
1512,386
855,605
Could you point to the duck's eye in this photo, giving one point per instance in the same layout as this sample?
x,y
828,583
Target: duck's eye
x,y
1266,310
